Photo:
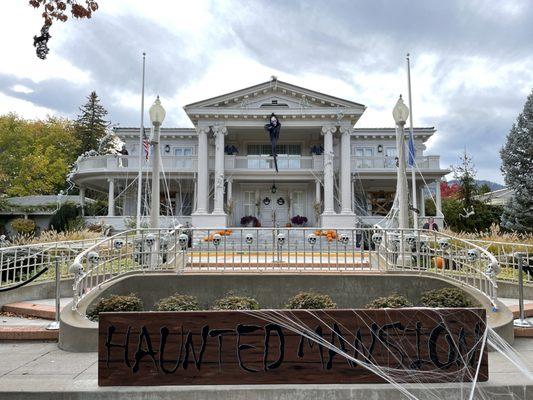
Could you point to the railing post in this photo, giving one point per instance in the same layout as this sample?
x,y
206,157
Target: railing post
x,y
521,321
55,324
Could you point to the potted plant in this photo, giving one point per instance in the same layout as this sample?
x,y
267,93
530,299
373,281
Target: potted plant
x,y
299,220
317,150
250,220
231,150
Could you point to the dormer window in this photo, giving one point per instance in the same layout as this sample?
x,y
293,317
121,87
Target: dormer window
x,y
274,102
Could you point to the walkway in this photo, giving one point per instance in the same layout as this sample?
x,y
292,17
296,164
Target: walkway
x,y
42,371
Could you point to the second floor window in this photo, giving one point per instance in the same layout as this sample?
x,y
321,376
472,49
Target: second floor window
x,y
282,149
364,157
183,151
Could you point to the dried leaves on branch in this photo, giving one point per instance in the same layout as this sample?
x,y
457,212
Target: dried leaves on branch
x,y
58,10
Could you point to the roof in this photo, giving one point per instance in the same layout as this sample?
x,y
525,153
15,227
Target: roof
x,y
40,204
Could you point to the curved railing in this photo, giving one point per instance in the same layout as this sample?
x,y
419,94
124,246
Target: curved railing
x,y
286,250
23,264
144,250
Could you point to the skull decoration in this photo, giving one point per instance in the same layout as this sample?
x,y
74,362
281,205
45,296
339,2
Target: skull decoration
x,y
93,257
444,243
249,239
118,244
493,269
281,239
410,239
377,238
150,239
472,255
217,239
311,239
424,244
344,239
76,269
183,240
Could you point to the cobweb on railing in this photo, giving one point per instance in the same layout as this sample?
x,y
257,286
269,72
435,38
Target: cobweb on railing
x,y
411,380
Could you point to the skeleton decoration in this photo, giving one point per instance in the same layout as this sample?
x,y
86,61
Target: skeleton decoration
x,y
311,239
41,42
183,240
76,269
472,255
377,238
344,239
249,239
444,244
118,244
281,239
217,239
273,128
150,240
93,257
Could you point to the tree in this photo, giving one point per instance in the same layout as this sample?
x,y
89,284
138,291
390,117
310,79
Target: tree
x,y
517,167
449,191
91,126
57,10
465,174
35,156
483,189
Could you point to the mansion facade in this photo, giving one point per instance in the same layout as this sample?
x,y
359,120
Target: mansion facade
x,y
213,175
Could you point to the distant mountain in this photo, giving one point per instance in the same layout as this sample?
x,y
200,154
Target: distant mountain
x,y
492,185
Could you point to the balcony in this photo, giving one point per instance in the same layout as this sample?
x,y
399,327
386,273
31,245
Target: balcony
x,y
285,162
385,163
113,163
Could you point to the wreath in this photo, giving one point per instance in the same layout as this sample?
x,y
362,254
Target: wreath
x,y
280,201
266,201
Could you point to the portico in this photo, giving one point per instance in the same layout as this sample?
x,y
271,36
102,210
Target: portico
x,y
307,119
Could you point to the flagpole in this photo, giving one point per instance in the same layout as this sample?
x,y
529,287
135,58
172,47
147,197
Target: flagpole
x,y
413,173
141,152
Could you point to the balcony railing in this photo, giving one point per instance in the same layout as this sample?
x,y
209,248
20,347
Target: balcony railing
x,y
131,163
285,162
428,162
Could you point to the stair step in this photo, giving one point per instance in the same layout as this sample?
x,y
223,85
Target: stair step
x,y
29,309
528,310
27,333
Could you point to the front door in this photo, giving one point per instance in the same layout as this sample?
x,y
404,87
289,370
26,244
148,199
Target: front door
x,y
274,208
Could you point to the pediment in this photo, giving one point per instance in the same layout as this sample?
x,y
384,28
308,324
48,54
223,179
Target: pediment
x,y
273,95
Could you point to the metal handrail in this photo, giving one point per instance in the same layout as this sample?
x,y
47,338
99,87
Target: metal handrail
x,y
286,250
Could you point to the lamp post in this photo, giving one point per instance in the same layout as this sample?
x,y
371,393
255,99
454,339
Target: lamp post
x,y
157,115
400,114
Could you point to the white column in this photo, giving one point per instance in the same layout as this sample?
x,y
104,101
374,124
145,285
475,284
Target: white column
x,y
438,199
327,132
82,201
346,173
111,198
203,172
230,190
422,205
219,132
317,192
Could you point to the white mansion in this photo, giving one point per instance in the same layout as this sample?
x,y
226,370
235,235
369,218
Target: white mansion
x,y
221,170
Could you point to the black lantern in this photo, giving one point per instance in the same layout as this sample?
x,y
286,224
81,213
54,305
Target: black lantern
x,y
380,148
167,148
273,189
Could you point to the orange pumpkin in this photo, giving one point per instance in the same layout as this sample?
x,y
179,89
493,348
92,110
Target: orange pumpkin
x,y
439,262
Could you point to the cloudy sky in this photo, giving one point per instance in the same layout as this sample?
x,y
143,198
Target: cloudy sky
x,y
472,61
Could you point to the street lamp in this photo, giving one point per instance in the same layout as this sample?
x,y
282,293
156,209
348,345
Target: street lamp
x,y
400,114
157,115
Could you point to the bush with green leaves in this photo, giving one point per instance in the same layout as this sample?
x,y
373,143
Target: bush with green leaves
x,y
178,302
395,300
23,226
233,302
116,303
445,298
310,301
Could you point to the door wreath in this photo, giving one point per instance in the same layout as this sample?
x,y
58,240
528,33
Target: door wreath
x,y
266,201
280,201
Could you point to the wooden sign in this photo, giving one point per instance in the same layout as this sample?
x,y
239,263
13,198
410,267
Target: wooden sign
x,y
263,347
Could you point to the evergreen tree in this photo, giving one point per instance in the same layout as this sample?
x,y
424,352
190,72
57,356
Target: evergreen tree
x,y
465,174
517,167
91,125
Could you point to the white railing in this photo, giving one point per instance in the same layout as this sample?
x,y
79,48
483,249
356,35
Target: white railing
x,y
25,263
383,162
116,163
144,250
124,222
259,162
287,250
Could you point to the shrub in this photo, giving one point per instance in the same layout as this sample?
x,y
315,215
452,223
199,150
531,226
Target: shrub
x,y
395,300
23,226
232,302
130,302
299,220
310,301
65,216
445,298
178,302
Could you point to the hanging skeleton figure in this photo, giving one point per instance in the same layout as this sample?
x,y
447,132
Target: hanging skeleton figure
x,y
273,128
468,213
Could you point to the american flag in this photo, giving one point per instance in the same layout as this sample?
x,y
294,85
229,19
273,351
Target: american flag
x,y
146,145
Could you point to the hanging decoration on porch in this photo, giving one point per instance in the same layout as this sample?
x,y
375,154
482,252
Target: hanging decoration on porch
x,y
280,201
266,201
273,128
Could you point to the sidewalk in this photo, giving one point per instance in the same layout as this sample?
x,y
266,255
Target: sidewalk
x,y
42,371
